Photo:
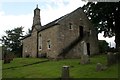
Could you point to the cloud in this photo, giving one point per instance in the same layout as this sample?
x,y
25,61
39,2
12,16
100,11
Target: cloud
x,y
109,40
50,10
60,8
8,22
48,14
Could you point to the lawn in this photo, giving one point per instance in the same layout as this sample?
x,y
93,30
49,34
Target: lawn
x,y
41,68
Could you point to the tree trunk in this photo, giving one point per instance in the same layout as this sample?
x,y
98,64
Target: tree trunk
x,y
117,39
117,28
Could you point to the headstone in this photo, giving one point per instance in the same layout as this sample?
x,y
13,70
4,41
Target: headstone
x,y
110,58
65,73
84,48
8,58
99,67
85,59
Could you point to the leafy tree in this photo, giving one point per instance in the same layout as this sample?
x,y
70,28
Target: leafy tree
x,y
29,31
11,42
103,46
106,17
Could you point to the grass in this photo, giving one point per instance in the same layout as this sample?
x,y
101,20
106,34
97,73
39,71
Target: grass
x,y
52,69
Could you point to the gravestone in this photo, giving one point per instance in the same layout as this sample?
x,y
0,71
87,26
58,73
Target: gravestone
x,y
111,59
116,57
8,58
99,67
65,73
84,48
85,59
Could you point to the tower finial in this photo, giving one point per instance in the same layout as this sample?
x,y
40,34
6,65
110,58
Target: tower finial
x,y
37,6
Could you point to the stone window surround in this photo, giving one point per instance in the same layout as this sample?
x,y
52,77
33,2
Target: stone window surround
x,y
70,26
49,44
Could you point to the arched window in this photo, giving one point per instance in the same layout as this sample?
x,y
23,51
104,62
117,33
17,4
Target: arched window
x,y
40,42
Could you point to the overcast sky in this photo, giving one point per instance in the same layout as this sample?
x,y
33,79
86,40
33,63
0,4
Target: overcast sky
x,y
16,13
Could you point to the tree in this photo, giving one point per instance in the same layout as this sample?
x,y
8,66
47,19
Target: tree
x,y
29,31
105,17
11,42
103,46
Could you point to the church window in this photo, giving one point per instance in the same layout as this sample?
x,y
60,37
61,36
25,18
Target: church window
x,y
81,31
70,26
90,32
40,42
49,44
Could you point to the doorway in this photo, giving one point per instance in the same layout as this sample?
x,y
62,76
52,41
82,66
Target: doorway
x,y
81,31
88,49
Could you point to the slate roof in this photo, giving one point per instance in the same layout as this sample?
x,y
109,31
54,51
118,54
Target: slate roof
x,y
55,22
28,35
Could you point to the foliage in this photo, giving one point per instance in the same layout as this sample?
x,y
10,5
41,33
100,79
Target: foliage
x,y
52,69
105,17
103,46
29,31
11,41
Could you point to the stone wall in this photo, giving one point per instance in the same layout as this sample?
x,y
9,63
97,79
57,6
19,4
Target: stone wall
x,y
49,34
63,37
68,36
92,36
26,47
30,45
34,43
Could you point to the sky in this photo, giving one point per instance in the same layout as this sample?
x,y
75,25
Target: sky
x,y
16,13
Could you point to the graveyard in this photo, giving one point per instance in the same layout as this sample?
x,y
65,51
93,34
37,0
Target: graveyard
x,y
44,68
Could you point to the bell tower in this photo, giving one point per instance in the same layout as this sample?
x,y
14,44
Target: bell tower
x,y
36,19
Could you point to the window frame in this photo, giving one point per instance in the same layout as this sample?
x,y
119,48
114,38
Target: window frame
x,y
40,42
70,26
49,44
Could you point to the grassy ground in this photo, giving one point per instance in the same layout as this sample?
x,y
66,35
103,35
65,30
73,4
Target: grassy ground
x,y
52,69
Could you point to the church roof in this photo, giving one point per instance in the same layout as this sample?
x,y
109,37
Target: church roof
x,y
55,22
51,24
28,35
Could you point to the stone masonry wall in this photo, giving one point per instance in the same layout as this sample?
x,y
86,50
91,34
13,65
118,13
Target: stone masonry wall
x,y
46,35
30,45
61,36
27,47
34,43
67,36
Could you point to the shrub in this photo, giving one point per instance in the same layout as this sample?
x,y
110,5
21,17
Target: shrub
x,y
103,46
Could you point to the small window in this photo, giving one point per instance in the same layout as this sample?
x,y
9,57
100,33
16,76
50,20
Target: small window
x,y
40,47
81,31
40,42
90,32
49,44
70,26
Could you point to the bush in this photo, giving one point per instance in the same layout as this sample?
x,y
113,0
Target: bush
x,y
103,46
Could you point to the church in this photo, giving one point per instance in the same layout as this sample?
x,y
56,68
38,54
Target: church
x,y
69,36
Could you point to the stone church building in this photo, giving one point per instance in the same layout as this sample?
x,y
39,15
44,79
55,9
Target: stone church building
x,y
69,36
